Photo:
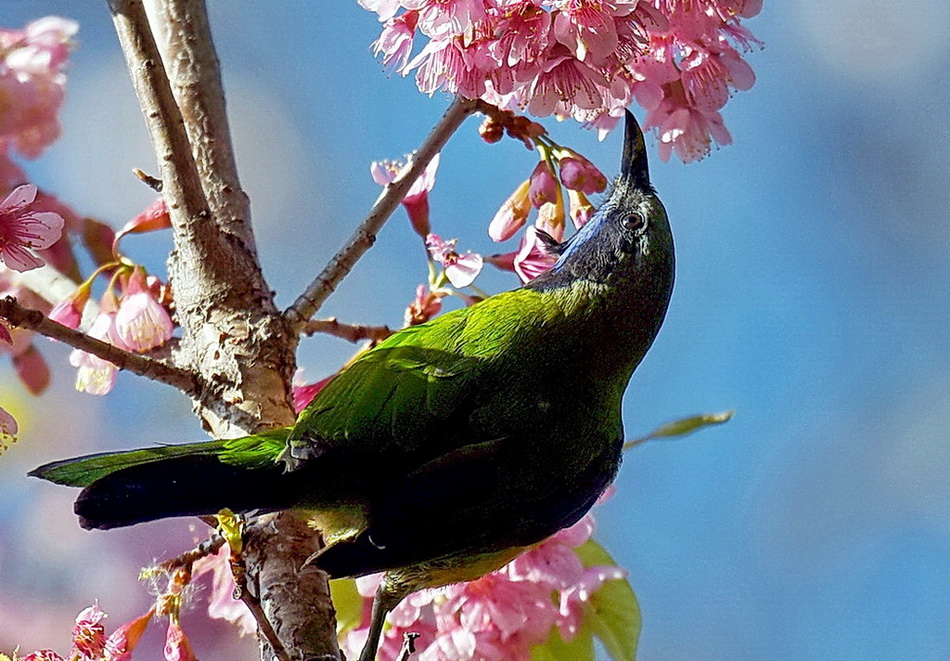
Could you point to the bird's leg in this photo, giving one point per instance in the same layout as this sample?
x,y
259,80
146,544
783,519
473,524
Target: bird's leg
x,y
388,596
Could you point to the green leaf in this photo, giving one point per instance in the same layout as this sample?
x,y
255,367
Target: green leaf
x,y
348,604
580,648
683,426
613,613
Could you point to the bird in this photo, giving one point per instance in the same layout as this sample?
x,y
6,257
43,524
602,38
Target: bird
x,y
451,447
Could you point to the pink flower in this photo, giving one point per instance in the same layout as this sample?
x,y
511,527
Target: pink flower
x,y
426,305
532,259
580,208
8,429
543,185
177,646
22,228
512,215
222,604
461,270
89,634
577,173
68,311
574,598
32,61
95,375
120,644
586,59
416,201
395,42
141,322
43,655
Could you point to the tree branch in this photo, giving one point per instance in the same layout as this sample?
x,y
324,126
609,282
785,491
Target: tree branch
x,y
233,333
308,303
350,332
150,368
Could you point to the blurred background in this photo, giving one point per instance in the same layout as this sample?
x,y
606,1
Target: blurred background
x,y
812,296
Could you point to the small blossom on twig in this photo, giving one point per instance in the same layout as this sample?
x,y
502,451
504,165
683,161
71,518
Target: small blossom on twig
x,y
424,307
23,229
416,201
461,270
89,634
141,322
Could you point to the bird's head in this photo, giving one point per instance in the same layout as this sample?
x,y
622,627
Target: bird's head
x,y
628,238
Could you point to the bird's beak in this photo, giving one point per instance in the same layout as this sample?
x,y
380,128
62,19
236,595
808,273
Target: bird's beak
x,y
634,169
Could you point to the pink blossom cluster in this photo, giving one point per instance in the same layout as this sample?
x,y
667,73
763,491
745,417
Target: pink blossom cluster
x,y
543,191
90,642
135,321
32,78
502,615
586,59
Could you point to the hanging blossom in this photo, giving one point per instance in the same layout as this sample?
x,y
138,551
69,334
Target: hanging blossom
x,y
501,615
416,201
24,229
587,59
32,81
560,169
461,270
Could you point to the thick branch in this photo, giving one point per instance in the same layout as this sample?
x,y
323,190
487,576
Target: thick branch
x,y
137,364
195,75
363,238
350,332
232,332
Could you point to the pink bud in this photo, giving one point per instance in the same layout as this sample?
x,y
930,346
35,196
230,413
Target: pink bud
x,y
123,640
543,187
579,174
68,312
177,646
512,215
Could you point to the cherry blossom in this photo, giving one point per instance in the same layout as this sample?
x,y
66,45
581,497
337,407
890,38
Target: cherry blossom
x,y
141,323
95,375
416,201
461,270
177,646
586,59
23,228
32,61
89,634
512,215
502,615
222,604
426,305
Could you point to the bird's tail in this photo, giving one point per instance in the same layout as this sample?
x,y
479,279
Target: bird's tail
x,y
125,488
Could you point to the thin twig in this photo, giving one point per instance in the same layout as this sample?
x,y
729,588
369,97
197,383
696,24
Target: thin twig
x,y
208,547
145,366
351,332
181,183
363,238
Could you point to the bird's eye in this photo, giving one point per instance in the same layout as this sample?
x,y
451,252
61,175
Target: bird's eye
x,y
636,222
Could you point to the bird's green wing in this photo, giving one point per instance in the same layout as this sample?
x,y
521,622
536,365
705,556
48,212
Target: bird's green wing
x,y
408,391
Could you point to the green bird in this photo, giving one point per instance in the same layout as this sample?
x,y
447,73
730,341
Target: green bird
x,y
451,447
